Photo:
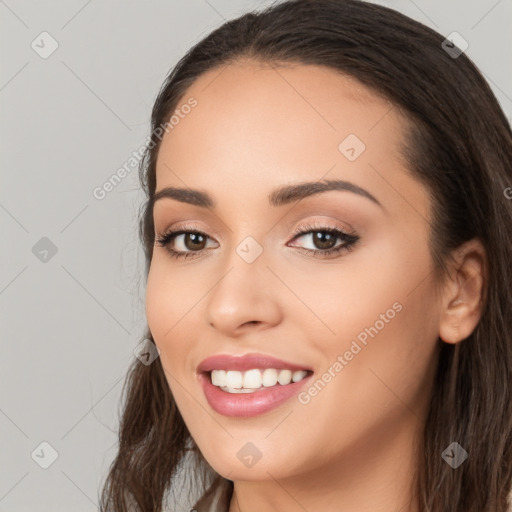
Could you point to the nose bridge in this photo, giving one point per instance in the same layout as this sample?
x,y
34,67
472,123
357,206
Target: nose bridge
x,y
243,292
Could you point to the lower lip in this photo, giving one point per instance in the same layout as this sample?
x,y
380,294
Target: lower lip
x,y
248,404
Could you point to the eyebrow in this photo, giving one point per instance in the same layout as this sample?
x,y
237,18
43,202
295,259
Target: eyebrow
x,y
280,196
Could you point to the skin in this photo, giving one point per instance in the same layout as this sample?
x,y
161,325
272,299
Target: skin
x,y
354,446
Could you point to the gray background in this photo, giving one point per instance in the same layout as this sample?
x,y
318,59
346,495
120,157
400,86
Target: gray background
x,y
69,324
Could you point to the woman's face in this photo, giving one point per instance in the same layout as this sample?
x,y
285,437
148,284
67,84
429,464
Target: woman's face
x,y
362,320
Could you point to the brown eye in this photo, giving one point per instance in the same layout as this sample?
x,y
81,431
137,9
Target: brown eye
x,y
194,241
183,243
324,240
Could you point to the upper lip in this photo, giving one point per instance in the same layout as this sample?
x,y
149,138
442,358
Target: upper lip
x,y
246,362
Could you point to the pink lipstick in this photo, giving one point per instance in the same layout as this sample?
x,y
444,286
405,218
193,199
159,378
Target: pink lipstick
x,y
249,385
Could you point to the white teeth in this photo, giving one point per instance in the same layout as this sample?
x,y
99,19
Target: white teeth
x,y
299,375
234,379
269,377
249,381
285,377
252,379
219,378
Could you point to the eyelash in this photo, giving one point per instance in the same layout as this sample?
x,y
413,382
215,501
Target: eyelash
x,y
350,240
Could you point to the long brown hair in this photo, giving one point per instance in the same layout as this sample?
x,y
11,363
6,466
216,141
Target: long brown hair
x,y
460,147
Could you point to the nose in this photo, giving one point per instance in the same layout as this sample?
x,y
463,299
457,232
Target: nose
x,y
246,296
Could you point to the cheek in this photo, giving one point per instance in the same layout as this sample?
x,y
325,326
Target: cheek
x,y
381,358
374,388
170,296
168,312
167,304
173,302
165,312
351,295
383,300
158,302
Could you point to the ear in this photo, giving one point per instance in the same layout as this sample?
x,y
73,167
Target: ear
x,y
463,294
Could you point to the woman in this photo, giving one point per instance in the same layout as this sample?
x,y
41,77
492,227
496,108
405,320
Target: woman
x,y
328,246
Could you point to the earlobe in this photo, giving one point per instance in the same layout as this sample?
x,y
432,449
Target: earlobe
x,y
463,292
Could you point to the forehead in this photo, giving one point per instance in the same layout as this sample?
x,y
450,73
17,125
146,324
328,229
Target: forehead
x,y
258,102
259,125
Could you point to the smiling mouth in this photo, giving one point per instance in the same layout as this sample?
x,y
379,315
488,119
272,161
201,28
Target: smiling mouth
x,y
254,380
